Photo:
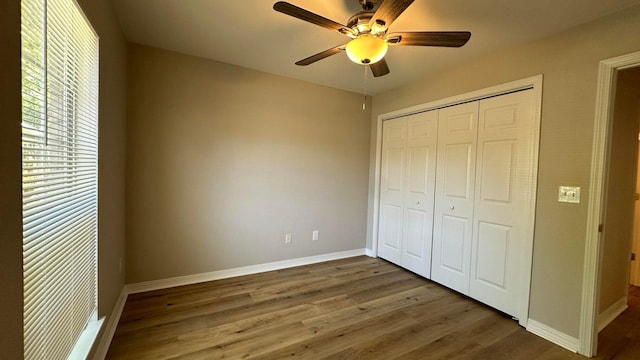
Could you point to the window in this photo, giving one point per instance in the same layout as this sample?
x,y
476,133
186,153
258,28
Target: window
x,y
59,176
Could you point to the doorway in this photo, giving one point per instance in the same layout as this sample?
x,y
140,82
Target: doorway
x,y
634,275
620,204
605,160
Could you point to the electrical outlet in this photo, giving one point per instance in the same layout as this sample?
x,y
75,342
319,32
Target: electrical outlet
x,y
314,235
287,238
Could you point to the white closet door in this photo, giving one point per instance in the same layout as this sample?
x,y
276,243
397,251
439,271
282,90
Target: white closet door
x,y
422,138
504,183
454,195
407,191
392,187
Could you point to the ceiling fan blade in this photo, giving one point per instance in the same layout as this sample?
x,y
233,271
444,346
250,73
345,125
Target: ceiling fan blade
x,y
429,38
302,14
321,55
380,68
389,10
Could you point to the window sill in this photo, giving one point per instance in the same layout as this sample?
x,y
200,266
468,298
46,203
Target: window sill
x,y
87,339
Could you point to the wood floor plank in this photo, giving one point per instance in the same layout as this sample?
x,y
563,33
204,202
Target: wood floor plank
x,y
371,309
394,345
251,346
333,342
462,342
516,345
170,322
356,308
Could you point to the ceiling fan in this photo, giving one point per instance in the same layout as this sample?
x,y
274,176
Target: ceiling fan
x,y
368,32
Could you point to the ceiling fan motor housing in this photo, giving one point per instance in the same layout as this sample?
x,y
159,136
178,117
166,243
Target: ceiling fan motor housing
x,y
360,24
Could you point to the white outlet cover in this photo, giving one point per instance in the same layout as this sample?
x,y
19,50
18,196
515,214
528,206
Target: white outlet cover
x,y
569,194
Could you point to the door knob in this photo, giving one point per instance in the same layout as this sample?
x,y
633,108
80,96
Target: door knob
x,y
417,202
451,207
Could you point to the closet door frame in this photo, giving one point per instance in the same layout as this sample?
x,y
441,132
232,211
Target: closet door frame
x,y
533,83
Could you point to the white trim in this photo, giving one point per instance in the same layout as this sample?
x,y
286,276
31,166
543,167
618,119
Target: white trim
x,y
370,253
534,83
88,337
607,316
559,338
496,90
527,256
112,324
605,89
376,186
241,271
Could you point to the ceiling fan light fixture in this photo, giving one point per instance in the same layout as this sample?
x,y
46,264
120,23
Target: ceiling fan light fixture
x,y
366,49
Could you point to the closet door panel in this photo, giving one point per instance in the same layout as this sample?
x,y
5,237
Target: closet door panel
x,y
422,137
414,246
453,235
491,258
454,196
503,186
497,170
457,169
391,232
392,188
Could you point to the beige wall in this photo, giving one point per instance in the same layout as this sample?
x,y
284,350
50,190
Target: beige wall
x,y
223,161
111,178
620,204
569,63
10,183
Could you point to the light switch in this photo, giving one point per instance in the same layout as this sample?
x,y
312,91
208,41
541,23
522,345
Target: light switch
x,y
569,194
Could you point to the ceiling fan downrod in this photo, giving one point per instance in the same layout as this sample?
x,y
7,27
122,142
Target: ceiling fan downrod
x,y
367,5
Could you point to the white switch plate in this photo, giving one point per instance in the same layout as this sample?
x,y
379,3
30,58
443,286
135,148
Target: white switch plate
x,y
314,235
569,194
287,238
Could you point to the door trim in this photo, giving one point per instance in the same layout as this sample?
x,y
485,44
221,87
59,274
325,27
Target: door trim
x,y
600,149
535,84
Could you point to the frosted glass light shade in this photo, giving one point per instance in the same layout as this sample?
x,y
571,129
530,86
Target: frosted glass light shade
x,y
366,49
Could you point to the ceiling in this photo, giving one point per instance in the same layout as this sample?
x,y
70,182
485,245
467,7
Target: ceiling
x,y
249,33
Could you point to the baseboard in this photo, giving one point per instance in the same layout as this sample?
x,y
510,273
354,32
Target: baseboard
x,y
241,271
553,335
607,316
369,253
112,324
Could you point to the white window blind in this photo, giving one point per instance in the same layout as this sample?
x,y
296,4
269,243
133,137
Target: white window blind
x,y
59,175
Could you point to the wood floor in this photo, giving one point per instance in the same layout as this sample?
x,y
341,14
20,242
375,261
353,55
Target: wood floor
x,y
357,308
621,339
